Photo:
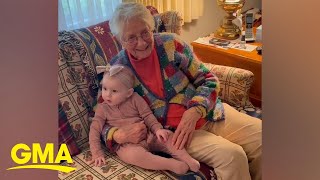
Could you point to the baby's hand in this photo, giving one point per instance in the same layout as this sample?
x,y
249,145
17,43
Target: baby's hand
x,y
163,135
99,161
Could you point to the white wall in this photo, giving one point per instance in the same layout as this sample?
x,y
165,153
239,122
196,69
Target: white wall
x,y
210,20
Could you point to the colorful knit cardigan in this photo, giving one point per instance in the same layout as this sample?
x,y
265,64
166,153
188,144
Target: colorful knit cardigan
x,y
186,81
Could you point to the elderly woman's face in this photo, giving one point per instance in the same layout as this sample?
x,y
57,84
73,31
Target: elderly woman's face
x,y
137,39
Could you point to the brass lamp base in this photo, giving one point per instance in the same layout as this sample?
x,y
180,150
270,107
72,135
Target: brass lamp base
x,y
229,32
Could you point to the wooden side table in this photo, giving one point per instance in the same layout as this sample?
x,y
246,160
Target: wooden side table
x,y
236,58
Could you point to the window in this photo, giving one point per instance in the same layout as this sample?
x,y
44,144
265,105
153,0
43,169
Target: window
x,y
74,14
189,9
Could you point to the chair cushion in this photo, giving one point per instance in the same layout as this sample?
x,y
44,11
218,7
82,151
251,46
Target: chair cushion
x,y
117,169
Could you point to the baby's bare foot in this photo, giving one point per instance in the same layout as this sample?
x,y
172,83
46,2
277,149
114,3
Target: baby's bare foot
x,y
194,165
181,168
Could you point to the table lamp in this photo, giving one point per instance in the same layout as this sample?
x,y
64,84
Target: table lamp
x,y
228,30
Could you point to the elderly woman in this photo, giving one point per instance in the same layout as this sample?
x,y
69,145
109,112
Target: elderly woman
x,y
183,95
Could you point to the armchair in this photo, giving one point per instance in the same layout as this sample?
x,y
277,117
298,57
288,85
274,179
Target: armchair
x,y
80,51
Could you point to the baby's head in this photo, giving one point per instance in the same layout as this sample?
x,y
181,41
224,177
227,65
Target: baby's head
x,y
117,84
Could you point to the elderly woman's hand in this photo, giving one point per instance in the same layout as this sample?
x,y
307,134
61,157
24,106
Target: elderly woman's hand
x,y
133,133
184,131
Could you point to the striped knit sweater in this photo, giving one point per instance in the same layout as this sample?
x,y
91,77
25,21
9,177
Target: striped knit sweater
x,y
186,81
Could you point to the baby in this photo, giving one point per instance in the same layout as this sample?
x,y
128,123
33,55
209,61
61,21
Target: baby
x,y
123,106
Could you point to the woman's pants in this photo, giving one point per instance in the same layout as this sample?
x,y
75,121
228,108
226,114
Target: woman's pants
x,y
232,146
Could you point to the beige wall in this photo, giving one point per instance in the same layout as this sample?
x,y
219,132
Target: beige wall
x,y
210,20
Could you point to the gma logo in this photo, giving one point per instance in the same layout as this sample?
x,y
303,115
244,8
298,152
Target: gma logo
x,y
46,155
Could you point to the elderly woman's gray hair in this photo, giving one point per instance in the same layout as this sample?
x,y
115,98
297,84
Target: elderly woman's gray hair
x,y
126,12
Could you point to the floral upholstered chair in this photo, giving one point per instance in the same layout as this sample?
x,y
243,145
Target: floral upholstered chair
x,y
80,51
